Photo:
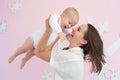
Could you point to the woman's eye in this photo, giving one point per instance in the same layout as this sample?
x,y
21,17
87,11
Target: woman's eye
x,y
78,29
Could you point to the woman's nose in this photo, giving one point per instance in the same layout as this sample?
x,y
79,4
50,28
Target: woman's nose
x,y
74,30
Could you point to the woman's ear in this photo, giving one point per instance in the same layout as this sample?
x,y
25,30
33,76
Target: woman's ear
x,y
84,42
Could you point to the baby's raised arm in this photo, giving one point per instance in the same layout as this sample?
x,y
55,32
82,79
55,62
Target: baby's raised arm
x,y
54,24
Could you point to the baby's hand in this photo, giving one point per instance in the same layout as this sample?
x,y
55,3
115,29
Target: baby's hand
x,y
61,36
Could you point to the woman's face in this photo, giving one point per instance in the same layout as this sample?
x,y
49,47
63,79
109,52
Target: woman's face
x,y
77,35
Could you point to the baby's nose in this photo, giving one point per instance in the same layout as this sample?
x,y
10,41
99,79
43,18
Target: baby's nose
x,y
68,26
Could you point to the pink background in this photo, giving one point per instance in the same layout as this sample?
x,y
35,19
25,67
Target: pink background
x,y
31,16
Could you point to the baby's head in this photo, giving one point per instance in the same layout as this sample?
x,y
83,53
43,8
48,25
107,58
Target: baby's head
x,y
69,18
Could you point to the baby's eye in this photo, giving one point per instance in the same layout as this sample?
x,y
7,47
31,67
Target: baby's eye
x,y
69,23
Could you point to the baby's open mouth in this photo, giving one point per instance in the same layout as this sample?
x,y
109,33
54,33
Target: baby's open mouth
x,y
70,35
65,27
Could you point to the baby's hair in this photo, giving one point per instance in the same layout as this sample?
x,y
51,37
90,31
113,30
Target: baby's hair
x,y
71,11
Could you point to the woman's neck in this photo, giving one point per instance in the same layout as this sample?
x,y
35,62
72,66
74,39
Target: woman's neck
x,y
73,45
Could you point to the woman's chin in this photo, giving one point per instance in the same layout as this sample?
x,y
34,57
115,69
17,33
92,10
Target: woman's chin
x,y
68,38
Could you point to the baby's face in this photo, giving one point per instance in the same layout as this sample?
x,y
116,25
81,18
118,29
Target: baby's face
x,y
68,22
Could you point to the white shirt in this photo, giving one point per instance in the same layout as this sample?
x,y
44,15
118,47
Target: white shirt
x,y
68,64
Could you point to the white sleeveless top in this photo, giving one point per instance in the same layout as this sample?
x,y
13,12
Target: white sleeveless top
x,y
55,25
68,64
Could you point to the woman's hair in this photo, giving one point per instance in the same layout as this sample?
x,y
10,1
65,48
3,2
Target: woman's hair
x,y
94,48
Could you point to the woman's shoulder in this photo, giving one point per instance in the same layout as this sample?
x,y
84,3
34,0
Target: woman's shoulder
x,y
68,55
70,50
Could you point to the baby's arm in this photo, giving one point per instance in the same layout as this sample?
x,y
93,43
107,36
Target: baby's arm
x,y
54,23
56,26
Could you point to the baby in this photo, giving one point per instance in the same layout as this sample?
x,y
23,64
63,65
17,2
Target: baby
x,y
58,23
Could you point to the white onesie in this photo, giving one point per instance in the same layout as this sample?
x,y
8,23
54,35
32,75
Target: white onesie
x,y
55,25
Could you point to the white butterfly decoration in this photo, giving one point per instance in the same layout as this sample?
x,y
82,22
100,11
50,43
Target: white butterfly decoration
x,y
112,75
14,7
3,26
89,20
106,74
101,75
103,27
115,75
48,75
112,49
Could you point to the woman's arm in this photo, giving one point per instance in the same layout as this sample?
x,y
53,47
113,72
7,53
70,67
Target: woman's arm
x,y
43,51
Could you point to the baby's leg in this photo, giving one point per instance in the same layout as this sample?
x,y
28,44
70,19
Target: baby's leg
x,y
28,45
28,56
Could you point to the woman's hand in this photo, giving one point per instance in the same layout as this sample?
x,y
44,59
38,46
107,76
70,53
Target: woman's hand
x,y
48,27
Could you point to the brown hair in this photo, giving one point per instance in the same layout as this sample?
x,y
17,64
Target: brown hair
x,y
94,48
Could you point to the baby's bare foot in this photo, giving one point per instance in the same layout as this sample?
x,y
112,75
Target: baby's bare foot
x,y
23,63
11,59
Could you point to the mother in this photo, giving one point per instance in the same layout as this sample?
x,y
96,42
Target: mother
x,y
68,63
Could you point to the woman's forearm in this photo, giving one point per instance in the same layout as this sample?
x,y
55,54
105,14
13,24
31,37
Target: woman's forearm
x,y
43,42
41,51
42,45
